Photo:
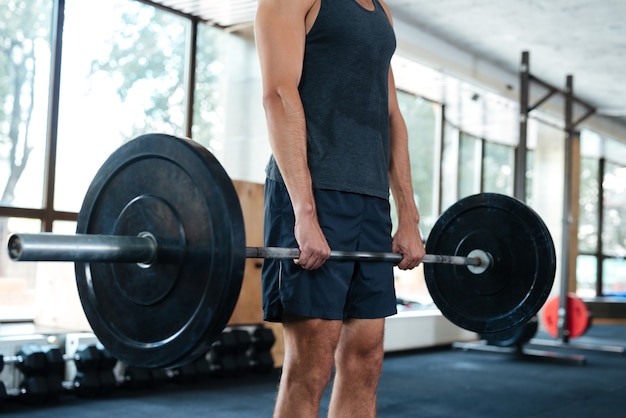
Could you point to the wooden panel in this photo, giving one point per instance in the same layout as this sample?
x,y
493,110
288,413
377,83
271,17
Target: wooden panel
x,y
249,308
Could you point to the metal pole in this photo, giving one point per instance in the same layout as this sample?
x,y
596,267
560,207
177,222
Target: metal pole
x,y
522,148
53,113
563,333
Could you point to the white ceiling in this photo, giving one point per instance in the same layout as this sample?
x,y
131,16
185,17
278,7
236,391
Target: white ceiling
x,y
221,12
584,38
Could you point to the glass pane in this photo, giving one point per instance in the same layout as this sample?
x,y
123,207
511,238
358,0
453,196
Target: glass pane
x,y
208,118
591,144
615,151
614,210
614,277
17,280
64,227
417,78
421,120
498,162
588,220
228,117
122,76
24,81
586,273
449,165
501,119
470,151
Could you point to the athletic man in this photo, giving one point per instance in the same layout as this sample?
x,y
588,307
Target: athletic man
x,y
339,146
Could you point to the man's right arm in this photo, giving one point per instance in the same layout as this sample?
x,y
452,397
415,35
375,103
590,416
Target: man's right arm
x,y
280,32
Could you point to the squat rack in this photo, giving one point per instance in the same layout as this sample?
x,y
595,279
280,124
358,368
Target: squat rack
x,y
570,210
569,248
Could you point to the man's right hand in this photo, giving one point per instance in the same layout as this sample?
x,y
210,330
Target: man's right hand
x,y
314,249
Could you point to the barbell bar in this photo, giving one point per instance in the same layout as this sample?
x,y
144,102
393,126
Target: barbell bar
x,y
159,255
144,249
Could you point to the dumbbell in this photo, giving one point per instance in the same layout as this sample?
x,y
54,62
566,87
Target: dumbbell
x,y
3,392
239,350
228,355
260,357
235,352
43,367
94,375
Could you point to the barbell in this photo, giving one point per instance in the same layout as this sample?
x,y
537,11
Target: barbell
x,y
159,255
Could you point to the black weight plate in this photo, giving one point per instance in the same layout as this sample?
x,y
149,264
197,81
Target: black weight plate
x,y
513,289
168,312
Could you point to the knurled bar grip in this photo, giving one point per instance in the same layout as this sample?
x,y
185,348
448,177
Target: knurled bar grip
x,y
278,252
144,249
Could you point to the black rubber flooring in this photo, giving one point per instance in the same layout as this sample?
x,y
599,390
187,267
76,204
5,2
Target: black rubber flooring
x,y
442,382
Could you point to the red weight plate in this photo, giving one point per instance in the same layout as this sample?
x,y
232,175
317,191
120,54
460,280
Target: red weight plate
x,y
169,312
578,316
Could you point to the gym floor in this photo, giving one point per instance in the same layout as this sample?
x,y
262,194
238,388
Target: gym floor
x,y
441,382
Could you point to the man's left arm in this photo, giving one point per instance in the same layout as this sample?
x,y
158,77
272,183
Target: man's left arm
x,y
407,239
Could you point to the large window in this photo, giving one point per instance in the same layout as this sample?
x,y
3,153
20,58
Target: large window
x,y
470,164
588,227
589,211
122,75
422,119
614,210
484,166
498,168
601,269
208,126
24,75
613,230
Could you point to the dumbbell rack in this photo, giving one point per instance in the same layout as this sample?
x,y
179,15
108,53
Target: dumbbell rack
x,y
41,372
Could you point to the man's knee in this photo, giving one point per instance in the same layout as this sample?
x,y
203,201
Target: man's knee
x,y
360,364
360,351
310,346
315,371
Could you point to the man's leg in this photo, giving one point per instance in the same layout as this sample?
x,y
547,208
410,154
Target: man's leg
x,y
309,359
359,364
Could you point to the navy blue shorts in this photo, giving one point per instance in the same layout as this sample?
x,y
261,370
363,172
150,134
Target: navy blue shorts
x,y
339,289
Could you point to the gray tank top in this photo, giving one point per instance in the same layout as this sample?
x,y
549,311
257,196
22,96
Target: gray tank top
x,y
344,90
